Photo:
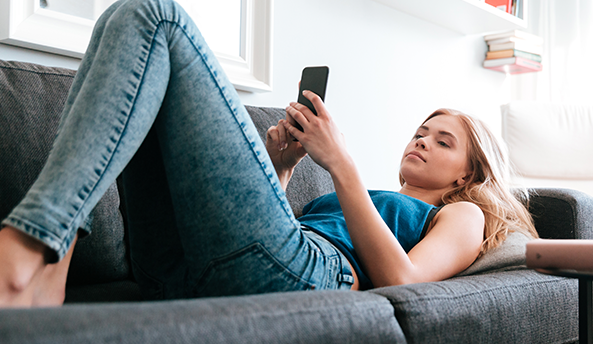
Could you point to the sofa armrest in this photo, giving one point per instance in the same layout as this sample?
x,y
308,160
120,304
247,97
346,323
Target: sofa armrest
x,y
562,213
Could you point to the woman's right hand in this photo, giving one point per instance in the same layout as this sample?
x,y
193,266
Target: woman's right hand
x,y
320,137
284,151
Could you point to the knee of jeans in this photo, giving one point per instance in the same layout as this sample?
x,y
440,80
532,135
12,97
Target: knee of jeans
x,y
155,10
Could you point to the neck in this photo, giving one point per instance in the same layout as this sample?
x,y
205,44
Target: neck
x,y
430,196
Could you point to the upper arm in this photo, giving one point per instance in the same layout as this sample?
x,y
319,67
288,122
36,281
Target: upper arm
x,y
452,244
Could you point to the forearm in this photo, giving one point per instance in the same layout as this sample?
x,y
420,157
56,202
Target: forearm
x,y
381,255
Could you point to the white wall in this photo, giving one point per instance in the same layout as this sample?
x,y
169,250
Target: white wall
x,y
388,71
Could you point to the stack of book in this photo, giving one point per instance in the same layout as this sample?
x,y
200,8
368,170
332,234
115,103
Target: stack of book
x,y
514,52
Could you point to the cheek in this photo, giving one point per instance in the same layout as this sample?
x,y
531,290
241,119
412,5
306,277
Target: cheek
x,y
451,164
408,148
459,164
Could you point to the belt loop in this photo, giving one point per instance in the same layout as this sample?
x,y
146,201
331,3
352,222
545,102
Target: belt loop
x,y
345,278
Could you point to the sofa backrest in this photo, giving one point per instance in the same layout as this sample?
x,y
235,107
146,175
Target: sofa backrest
x,y
31,101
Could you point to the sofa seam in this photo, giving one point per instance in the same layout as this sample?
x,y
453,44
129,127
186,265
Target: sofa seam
x,y
369,304
37,72
446,297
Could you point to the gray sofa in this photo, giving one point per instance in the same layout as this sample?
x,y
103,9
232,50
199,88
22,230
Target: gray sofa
x,y
497,300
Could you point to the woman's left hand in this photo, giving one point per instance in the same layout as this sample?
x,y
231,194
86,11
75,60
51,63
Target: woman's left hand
x,y
321,137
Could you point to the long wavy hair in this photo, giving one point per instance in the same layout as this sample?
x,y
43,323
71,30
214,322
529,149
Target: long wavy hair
x,y
488,185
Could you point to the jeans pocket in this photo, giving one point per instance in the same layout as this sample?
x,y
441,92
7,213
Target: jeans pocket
x,y
250,270
151,288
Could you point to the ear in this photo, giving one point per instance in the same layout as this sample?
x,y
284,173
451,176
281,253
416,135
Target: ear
x,y
461,181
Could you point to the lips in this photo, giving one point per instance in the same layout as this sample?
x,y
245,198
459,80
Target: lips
x,y
415,154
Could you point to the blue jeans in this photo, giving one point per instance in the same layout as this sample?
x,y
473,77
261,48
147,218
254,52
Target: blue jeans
x,y
206,212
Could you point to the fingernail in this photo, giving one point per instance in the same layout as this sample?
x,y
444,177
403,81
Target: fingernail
x,y
282,146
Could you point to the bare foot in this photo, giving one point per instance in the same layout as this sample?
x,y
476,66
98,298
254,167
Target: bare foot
x,y
21,262
25,279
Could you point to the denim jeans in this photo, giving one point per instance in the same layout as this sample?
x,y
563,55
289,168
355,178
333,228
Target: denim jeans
x,y
207,215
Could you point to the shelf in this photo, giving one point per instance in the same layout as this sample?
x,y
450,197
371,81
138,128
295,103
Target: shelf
x,y
464,16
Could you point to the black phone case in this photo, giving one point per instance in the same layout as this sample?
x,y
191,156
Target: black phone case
x,y
313,79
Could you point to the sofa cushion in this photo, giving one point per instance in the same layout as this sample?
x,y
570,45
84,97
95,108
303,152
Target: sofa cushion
x,y
309,180
31,101
547,144
509,255
549,140
296,317
520,306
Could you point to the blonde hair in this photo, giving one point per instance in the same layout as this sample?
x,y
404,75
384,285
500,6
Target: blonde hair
x,y
488,185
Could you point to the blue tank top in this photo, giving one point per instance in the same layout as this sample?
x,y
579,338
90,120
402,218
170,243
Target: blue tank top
x,y
407,217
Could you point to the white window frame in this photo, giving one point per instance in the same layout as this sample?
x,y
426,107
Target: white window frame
x,y
24,23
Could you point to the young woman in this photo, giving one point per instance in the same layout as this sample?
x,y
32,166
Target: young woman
x,y
207,211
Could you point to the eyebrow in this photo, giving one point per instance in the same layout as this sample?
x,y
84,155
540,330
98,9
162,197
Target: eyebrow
x,y
441,132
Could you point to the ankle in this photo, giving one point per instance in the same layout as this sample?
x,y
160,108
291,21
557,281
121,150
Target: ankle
x,y
48,298
50,289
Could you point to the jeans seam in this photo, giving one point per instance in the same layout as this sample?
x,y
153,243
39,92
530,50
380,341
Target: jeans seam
x,y
254,246
32,229
234,112
221,88
125,125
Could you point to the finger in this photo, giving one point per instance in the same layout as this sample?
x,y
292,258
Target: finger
x,y
289,118
304,110
316,101
297,134
273,134
294,110
282,143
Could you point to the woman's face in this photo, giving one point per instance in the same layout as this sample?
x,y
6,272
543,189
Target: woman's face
x,y
437,156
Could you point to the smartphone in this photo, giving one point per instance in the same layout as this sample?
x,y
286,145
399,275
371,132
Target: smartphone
x,y
313,79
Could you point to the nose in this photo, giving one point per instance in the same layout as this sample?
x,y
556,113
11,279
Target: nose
x,y
421,143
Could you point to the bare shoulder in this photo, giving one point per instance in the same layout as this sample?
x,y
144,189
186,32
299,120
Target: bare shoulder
x,y
460,217
463,209
452,243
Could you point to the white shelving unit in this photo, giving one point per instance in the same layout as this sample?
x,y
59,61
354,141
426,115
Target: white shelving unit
x,y
464,16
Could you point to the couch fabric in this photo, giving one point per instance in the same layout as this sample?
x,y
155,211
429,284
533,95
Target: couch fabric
x,y
31,101
497,300
300,317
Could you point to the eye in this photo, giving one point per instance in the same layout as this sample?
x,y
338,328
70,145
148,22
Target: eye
x,y
417,136
444,144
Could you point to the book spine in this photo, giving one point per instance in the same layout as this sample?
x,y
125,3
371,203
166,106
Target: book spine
x,y
533,49
492,55
526,55
536,66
